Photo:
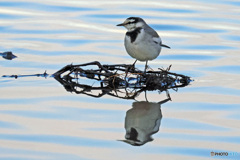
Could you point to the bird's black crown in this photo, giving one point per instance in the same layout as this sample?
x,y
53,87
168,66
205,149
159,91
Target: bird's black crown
x,y
135,19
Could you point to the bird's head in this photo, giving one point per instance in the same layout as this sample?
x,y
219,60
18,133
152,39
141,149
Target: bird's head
x,y
133,22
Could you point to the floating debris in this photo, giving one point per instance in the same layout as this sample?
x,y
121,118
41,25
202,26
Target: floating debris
x,y
116,79
120,80
8,55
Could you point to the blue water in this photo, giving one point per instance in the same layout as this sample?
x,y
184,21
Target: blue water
x,y
39,119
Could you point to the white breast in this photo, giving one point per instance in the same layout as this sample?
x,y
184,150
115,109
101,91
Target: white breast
x,y
143,48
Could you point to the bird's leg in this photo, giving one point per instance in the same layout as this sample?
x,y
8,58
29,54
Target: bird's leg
x,y
134,63
145,67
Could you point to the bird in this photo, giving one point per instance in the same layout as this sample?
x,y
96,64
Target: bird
x,y
141,41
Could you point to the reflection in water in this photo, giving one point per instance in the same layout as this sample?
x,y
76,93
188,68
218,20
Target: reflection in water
x,y
142,121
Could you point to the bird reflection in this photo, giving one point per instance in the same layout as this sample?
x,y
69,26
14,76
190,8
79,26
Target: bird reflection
x,y
142,121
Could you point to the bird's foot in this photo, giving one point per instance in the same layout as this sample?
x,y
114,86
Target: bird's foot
x,y
131,67
147,68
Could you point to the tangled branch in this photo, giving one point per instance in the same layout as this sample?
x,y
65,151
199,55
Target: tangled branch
x,y
116,79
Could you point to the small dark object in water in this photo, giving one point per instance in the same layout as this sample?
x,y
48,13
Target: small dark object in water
x,y
8,55
29,75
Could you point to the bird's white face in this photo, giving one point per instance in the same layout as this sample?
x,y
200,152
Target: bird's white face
x,y
131,24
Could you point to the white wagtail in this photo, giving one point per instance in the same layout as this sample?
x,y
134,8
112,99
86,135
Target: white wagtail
x,y
141,41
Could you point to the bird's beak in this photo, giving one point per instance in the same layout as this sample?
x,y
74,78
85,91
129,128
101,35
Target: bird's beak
x,y
121,24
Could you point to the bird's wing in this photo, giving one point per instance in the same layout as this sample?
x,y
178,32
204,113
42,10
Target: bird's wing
x,y
151,32
155,36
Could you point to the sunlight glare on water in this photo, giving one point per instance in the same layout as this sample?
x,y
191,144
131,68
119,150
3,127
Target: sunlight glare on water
x,y
40,120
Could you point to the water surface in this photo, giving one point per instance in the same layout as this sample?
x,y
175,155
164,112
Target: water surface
x,y
40,120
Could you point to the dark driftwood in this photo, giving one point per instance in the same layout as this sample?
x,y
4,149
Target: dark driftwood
x,y
115,78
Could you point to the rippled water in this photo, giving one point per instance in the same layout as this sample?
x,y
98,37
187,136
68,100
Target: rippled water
x,y
40,120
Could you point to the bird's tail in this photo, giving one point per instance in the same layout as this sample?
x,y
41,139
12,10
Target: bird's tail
x,y
163,45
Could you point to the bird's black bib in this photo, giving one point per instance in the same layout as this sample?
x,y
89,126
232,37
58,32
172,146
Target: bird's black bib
x,y
133,34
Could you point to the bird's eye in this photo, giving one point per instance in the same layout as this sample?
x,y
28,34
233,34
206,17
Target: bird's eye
x,y
130,22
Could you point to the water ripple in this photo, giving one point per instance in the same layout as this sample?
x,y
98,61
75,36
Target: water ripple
x,y
209,47
11,16
10,30
170,10
44,7
66,42
58,139
26,154
232,37
185,28
229,139
9,125
190,57
234,69
181,124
